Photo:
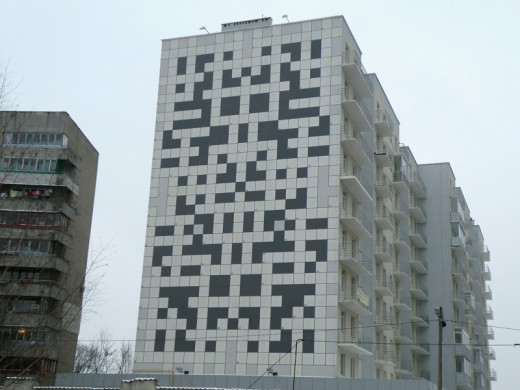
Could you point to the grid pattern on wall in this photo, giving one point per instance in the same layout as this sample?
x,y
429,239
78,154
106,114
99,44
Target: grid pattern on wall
x,y
242,243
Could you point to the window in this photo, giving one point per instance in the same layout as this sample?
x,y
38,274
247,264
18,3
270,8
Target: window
x,y
35,139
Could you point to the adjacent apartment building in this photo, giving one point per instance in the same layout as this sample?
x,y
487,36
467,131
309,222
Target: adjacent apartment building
x,y
47,181
287,223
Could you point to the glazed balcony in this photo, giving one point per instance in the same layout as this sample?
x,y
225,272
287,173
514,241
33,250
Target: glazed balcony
x,y
32,260
32,288
30,179
41,234
356,109
353,69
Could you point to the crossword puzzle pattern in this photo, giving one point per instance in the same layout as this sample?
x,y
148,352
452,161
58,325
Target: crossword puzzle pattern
x,y
204,152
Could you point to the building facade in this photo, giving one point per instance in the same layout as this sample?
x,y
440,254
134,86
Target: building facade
x,y
286,222
47,183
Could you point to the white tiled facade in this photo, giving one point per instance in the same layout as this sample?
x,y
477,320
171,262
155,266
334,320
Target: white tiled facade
x,y
282,208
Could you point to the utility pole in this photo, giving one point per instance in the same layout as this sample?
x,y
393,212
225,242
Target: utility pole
x,y
295,356
442,324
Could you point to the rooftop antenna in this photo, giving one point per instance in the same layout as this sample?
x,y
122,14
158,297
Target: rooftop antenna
x,y
204,28
286,18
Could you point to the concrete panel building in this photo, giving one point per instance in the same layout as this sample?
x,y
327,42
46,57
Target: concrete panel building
x,y
286,221
47,182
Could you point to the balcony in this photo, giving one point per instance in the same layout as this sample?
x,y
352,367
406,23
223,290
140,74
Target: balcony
x,y
383,186
356,301
44,205
384,218
384,251
420,320
400,241
353,182
401,181
464,381
352,218
32,288
356,110
353,68
487,293
418,212
384,321
490,333
384,285
459,298
419,264
355,261
485,255
385,355
486,273
488,313
401,210
355,145
28,179
403,301
350,341
492,375
383,123
31,260
417,186
419,292
417,237
402,269
459,270
56,235
403,333
404,369
383,154
491,354
420,348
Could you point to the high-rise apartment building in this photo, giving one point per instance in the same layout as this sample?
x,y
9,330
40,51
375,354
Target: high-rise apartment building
x,y
285,214
47,182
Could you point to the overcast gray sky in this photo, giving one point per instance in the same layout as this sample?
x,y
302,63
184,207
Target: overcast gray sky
x,y
450,69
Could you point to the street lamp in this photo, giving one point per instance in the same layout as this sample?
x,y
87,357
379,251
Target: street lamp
x,y
442,324
295,356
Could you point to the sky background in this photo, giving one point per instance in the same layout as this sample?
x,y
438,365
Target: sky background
x,y
449,68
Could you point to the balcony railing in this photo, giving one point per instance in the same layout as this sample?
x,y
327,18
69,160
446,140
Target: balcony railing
x,y
358,296
384,251
349,95
355,143
383,123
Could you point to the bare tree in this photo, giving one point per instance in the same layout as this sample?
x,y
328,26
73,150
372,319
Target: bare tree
x,y
102,356
126,358
7,89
